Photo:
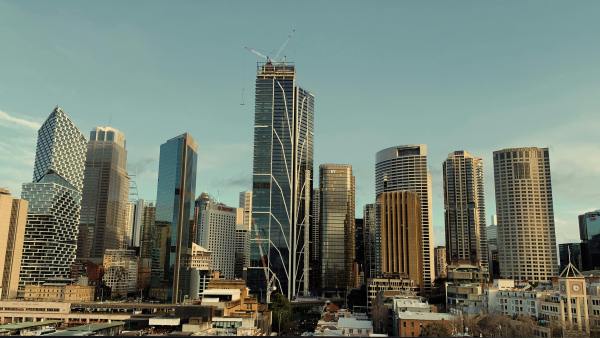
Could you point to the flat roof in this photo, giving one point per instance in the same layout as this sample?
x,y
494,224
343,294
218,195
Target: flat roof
x,y
96,326
354,323
28,325
67,333
424,315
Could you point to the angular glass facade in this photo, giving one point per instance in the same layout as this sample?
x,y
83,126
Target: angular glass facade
x,y
282,183
175,214
54,201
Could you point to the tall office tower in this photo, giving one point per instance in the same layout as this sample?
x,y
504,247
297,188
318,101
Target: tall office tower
x,y
359,250
13,217
105,195
336,187
400,227
149,253
464,210
372,240
491,233
404,168
589,232
246,206
54,199
242,251
136,220
175,212
216,233
440,262
315,248
282,183
526,237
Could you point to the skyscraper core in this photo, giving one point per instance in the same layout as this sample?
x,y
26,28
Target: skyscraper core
x,y
282,183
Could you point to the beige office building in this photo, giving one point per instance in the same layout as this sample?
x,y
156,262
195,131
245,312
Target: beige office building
x,y
526,237
13,217
404,168
401,252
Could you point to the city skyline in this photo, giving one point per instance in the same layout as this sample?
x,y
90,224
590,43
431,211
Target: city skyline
x,y
528,97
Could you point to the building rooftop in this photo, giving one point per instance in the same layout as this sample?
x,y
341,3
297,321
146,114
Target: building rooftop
x,y
354,323
28,325
424,315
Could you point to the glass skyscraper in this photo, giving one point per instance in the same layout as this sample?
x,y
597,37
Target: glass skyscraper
x,y
54,201
337,231
282,183
589,231
175,214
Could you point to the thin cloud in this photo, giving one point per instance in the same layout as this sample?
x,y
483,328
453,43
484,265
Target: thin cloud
x,y
6,117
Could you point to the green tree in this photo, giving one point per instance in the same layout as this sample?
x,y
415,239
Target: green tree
x,y
436,329
282,312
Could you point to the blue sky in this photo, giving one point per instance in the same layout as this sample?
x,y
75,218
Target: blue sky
x,y
470,75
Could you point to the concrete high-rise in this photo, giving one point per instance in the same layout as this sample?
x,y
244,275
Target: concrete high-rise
x,y
174,214
13,217
105,195
401,238
216,233
54,198
282,183
404,168
464,207
526,237
337,231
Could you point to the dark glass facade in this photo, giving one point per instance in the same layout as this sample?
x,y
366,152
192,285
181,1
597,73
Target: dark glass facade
x,y
336,186
589,231
282,183
175,213
572,250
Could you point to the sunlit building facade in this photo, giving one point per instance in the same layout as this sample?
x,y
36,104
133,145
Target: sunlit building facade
x,y
337,227
526,235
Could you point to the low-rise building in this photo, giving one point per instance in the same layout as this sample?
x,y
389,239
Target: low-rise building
x,y
401,285
120,271
410,324
464,289
56,292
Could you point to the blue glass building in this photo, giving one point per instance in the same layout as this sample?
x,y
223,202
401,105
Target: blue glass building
x,y
282,183
174,215
589,231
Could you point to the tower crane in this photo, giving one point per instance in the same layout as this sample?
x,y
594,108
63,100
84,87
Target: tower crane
x,y
279,51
